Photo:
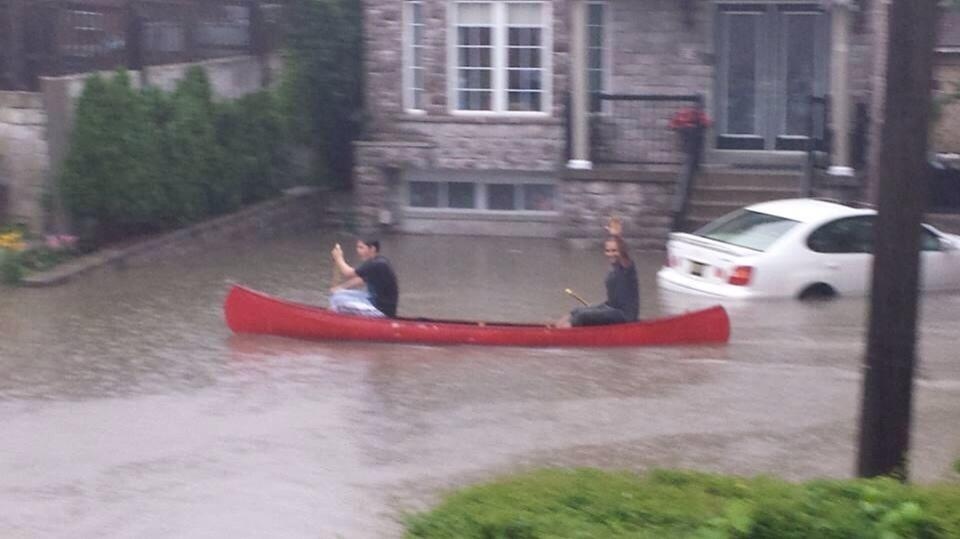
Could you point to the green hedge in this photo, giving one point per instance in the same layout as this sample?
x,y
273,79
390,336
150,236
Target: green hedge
x,y
673,504
322,86
146,161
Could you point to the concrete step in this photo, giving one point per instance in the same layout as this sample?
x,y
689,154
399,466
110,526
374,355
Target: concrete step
x,y
710,209
946,222
744,195
750,178
694,223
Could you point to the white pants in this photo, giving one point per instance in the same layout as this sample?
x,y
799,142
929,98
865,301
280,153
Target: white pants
x,y
355,302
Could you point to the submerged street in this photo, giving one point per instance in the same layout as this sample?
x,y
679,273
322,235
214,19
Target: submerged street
x,y
128,409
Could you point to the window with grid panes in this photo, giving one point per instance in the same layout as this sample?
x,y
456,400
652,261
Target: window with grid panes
x,y
501,56
596,52
413,83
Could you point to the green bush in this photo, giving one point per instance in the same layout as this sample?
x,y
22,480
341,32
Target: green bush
x,y
146,161
322,87
111,176
674,504
195,157
11,267
252,134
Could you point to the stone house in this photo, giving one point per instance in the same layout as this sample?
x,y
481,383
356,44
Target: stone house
x,y
544,117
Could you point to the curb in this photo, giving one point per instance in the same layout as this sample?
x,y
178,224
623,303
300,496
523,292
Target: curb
x,y
274,213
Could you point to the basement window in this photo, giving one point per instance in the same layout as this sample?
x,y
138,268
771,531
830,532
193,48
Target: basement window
x,y
522,195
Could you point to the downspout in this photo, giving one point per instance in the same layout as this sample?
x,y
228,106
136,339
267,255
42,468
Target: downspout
x,y
580,132
839,87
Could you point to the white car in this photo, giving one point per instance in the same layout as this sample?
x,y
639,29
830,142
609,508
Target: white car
x,y
797,247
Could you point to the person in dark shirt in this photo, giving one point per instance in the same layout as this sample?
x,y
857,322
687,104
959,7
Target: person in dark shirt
x,y
623,291
381,294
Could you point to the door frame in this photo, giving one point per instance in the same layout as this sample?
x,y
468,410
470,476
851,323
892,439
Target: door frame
x,y
770,74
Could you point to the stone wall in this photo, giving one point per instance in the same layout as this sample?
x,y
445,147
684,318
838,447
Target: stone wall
x,y
230,78
298,210
24,157
588,201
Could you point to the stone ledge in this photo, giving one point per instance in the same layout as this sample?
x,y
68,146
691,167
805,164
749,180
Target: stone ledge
x,y
23,116
620,175
276,213
481,119
483,215
21,100
391,144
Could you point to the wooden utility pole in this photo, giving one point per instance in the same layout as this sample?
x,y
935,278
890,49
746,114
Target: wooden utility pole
x,y
902,197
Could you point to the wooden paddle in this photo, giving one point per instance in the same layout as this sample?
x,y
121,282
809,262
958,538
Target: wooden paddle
x,y
574,294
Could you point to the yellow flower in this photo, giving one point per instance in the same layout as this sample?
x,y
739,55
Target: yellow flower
x,y
12,241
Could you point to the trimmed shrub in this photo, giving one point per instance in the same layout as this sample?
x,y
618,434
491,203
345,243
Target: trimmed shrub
x,y
111,176
675,504
251,132
142,162
195,157
323,84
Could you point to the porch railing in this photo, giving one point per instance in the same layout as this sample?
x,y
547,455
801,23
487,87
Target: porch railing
x,y
6,67
635,129
818,141
61,37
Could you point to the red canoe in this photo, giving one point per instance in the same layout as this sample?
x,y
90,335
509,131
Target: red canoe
x,y
249,311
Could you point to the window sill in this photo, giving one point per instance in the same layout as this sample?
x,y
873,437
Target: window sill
x,y
481,119
482,215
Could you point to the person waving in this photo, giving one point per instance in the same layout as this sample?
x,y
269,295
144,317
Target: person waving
x,y
623,290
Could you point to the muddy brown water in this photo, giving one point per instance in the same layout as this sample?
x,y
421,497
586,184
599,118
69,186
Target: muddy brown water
x,y
127,409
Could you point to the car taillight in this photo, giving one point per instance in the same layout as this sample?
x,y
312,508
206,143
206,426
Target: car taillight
x,y
740,276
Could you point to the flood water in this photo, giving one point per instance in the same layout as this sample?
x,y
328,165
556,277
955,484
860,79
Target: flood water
x,y
127,409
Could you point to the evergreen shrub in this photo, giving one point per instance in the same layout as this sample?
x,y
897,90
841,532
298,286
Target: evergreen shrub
x,y
322,88
146,161
252,134
111,176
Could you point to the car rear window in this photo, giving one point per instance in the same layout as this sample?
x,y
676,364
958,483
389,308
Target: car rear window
x,y
745,228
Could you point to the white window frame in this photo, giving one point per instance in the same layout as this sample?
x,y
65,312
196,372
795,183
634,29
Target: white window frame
x,y
606,53
481,181
499,61
407,78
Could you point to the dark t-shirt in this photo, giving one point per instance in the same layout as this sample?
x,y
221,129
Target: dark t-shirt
x,y
623,292
382,284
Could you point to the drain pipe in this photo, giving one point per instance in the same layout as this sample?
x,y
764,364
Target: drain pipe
x,y
692,142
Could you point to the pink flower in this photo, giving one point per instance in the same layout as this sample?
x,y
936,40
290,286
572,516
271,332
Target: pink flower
x,y
689,118
60,241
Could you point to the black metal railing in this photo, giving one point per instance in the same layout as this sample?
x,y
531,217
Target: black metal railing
x,y
818,141
6,66
61,37
635,129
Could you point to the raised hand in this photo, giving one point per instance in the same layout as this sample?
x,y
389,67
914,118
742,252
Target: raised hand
x,y
614,227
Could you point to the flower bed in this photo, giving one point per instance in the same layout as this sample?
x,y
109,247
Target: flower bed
x,y
21,254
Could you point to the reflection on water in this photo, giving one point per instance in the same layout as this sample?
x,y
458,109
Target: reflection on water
x,y
128,409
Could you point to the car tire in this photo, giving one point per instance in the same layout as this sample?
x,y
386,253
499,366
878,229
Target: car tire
x,y
817,291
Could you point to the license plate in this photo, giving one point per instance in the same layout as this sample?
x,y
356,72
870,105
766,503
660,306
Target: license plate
x,y
696,268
